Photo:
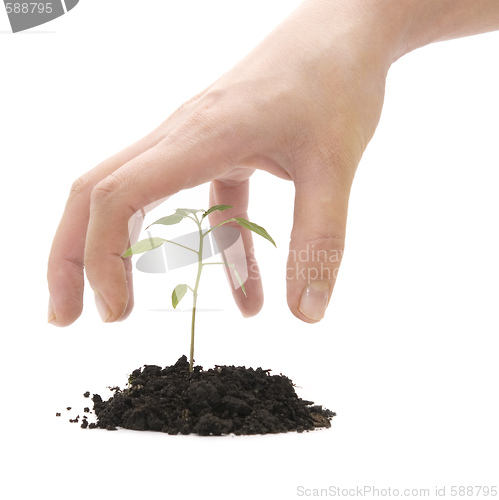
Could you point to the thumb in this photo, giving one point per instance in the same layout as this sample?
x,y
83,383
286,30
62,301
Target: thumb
x,y
317,244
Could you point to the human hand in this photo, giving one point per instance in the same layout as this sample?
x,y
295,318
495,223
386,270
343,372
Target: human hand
x,y
303,106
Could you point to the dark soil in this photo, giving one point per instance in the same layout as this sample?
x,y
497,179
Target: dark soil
x,y
222,400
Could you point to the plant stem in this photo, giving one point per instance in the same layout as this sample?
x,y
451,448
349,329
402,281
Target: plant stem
x,y
195,294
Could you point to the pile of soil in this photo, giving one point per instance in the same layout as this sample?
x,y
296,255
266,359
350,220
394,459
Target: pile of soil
x,y
221,400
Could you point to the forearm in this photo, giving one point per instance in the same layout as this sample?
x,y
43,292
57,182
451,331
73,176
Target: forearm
x,y
428,21
395,27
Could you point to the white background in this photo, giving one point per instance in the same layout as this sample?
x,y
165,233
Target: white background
x,y
407,354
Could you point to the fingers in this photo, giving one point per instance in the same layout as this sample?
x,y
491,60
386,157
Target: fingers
x,y
233,189
317,244
161,171
65,265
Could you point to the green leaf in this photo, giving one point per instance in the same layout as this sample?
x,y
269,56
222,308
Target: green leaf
x,y
179,215
186,211
255,228
144,246
216,208
178,292
169,220
238,277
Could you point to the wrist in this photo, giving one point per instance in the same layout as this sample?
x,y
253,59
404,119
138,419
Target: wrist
x,y
389,29
380,31
365,29
416,23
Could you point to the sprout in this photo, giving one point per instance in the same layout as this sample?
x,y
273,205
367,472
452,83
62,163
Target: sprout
x,y
180,290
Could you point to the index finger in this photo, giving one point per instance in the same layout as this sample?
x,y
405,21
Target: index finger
x,y
65,264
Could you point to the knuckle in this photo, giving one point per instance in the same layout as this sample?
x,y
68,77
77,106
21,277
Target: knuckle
x,y
75,262
80,186
188,104
328,240
106,188
328,248
316,259
206,120
206,106
208,115
113,193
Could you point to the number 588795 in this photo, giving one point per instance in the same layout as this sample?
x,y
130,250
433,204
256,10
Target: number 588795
x,y
28,8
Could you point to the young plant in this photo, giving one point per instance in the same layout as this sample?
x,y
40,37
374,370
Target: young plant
x,y
180,290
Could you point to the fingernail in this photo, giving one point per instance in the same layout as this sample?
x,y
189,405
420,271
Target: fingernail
x,y
314,299
51,315
104,311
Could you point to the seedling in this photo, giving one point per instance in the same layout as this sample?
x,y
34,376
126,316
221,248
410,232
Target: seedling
x,y
188,213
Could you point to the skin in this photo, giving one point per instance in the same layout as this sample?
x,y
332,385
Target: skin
x,y
311,95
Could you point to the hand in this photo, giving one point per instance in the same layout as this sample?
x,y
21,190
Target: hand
x,y
303,106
